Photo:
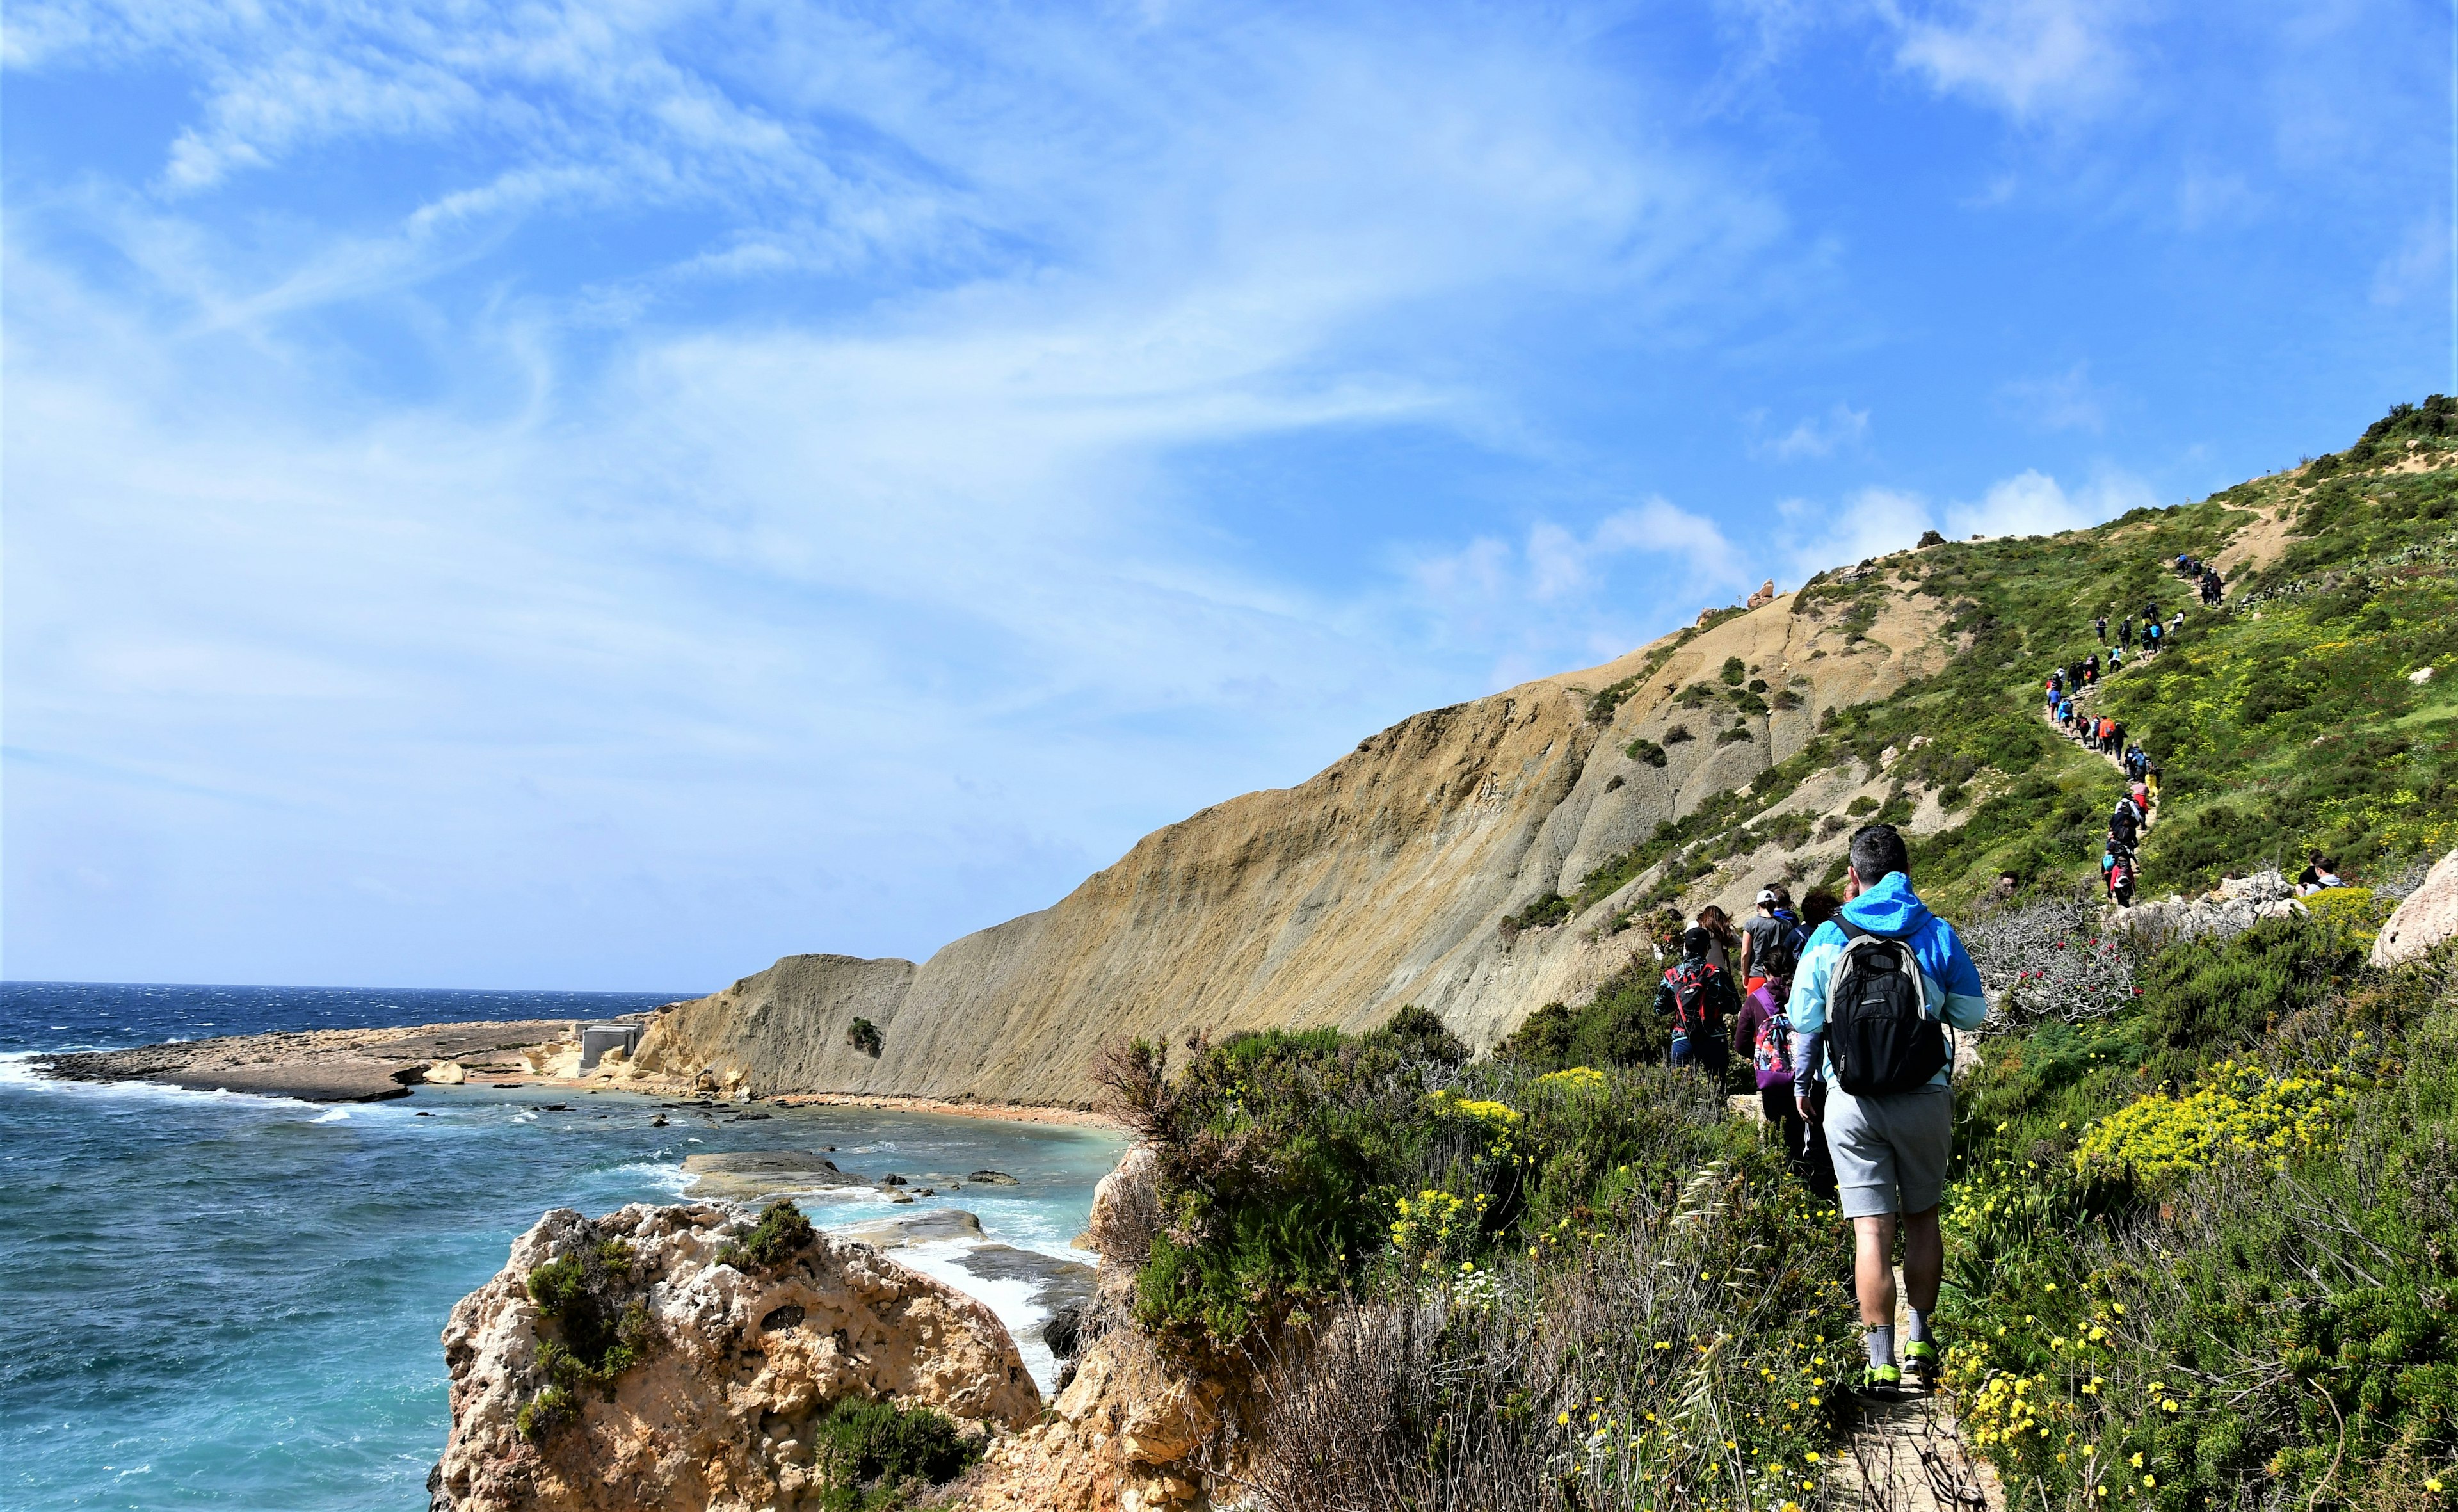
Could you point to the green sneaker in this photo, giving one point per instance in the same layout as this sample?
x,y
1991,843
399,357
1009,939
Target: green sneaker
x,y
1922,1355
1881,1382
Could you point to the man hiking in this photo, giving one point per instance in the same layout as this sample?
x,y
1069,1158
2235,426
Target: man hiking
x,y
1878,986
1700,996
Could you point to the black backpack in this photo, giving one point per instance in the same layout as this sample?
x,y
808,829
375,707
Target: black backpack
x,y
1879,1037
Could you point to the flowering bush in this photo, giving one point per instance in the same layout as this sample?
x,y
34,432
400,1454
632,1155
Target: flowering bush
x,y
2048,960
2241,1109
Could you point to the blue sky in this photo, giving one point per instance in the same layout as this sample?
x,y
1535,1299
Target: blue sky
x,y
603,496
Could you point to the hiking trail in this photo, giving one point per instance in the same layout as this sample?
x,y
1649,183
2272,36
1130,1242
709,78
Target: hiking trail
x,y
1908,1455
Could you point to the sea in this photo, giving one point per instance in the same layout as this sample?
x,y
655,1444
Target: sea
x,y
210,1299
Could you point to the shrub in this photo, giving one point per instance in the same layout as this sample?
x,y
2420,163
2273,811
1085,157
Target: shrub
x,y
2240,1110
1733,672
600,1327
864,1035
1645,750
1736,735
781,1233
876,1455
1678,733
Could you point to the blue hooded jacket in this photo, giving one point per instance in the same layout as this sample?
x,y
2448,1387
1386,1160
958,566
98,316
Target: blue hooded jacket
x,y
1949,982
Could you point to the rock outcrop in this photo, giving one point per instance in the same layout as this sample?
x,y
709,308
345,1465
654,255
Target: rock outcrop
x,y
736,1359
2422,919
1127,1432
1383,879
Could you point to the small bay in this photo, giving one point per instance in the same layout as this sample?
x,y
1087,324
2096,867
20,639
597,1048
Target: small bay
x,y
232,1301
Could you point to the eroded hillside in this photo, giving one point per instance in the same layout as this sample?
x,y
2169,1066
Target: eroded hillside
x,y
1386,878
1488,858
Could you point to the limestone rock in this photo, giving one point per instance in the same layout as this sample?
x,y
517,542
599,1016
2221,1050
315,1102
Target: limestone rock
x,y
739,1361
1765,595
446,1073
1381,881
2422,919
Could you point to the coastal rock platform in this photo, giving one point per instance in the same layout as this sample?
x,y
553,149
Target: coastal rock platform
x,y
316,1065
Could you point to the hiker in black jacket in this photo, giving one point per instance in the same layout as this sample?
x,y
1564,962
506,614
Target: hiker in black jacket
x,y
1698,997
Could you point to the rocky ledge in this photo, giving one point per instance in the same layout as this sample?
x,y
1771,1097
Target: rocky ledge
x,y
317,1066
678,1357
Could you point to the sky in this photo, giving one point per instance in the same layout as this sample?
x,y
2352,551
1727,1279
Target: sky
x,y
604,495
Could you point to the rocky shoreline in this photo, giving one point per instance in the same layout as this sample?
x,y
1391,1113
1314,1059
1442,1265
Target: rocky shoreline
x,y
373,1064
317,1065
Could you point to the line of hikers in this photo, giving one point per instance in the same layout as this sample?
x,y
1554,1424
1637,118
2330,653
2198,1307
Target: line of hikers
x,y
2205,578
1845,1015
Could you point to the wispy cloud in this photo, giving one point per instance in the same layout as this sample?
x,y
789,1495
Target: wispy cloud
x,y
2066,401
2030,58
1841,428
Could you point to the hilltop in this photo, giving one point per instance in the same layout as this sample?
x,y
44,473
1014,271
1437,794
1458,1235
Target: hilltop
x,y
1489,857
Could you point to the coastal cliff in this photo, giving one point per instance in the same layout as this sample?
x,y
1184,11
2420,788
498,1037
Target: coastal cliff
x,y
1386,878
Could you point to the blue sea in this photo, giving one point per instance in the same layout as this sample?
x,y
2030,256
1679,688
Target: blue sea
x,y
230,1301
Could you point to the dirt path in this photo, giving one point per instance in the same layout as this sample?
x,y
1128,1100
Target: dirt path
x,y
1908,1455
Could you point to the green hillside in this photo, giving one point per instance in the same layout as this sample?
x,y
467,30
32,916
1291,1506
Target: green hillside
x,y
2203,1227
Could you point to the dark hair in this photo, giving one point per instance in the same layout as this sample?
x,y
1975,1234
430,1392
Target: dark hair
x,y
1819,907
1877,849
1694,943
1717,923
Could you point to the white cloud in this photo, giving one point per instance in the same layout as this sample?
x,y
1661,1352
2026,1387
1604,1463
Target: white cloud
x,y
2416,267
2029,58
1872,522
1842,427
2066,401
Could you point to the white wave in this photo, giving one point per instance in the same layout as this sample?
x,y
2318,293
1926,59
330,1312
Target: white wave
x,y
17,1070
339,1115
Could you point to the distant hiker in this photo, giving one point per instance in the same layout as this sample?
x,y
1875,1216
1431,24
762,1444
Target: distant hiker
x,y
2150,780
2125,823
2102,625
2151,636
2125,630
1764,1031
1723,936
1699,997
2329,876
2176,623
2151,613
2310,876
2116,657
1877,988
2117,737
2116,867
1771,941
2091,668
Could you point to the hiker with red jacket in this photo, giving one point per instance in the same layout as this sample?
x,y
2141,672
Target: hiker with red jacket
x,y
1699,997
1878,987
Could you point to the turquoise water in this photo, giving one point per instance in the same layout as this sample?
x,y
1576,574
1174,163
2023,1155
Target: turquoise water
x,y
229,1301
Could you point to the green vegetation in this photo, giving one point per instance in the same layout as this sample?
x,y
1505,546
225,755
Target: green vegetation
x,y
781,1233
1645,750
877,1456
601,1327
2199,1249
1301,1172
864,1035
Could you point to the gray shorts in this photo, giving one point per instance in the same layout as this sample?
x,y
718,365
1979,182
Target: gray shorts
x,y
1886,1145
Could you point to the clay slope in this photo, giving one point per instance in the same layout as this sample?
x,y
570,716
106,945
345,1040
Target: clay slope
x,y
1381,881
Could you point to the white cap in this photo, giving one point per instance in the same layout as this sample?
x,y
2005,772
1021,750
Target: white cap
x,y
1767,895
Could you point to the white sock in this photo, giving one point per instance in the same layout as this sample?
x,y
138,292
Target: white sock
x,y
1881,1344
